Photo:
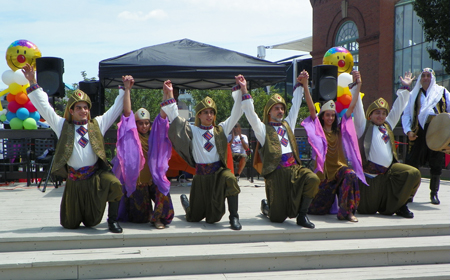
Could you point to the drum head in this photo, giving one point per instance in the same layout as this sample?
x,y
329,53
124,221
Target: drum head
x,y
438,133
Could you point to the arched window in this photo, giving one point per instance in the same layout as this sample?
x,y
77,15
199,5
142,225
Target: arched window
x,y
346,37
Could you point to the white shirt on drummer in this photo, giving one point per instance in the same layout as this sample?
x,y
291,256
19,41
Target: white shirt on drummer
x,y
381,152
80,156
200,154
260,128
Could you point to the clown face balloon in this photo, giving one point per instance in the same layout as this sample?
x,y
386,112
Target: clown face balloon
x,y
21,52
340,57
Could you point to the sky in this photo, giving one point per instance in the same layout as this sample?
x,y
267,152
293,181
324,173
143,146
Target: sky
x,y
83,33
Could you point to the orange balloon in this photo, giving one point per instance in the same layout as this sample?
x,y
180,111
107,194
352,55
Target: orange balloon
x,y
10,97
22,98
345,99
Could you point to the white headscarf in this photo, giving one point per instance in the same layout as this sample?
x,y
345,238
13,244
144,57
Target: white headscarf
x,y
434,94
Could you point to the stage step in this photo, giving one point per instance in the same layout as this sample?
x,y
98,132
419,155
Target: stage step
x,y
202,233
410,272
219,258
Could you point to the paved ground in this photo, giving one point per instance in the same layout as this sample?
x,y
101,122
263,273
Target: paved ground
x,y
26,212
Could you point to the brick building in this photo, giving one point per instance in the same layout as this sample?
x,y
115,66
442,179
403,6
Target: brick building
x,y
384,36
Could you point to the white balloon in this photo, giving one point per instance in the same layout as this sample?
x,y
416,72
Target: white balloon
x,y
19,77
8,77
344,79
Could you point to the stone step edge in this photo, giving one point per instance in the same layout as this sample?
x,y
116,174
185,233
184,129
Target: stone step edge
x,y
14,260
423,271
222,232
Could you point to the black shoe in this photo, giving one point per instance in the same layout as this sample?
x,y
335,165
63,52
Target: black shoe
x,y
235,224
114,227
264,207
434,198
409,200
404,212
302,220
184,202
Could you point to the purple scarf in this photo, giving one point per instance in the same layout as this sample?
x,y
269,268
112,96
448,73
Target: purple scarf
x,y
159,153
350,142
129,160
317,140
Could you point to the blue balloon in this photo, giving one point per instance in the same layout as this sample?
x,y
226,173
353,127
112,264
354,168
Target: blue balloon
x,y
342,113
10,115
35,115
22,113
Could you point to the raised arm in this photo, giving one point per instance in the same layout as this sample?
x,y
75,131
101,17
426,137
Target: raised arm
x,y
236,111
312,110
167,94
128,83
356,79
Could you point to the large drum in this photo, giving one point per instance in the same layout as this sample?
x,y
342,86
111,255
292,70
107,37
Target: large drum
x,y
438,133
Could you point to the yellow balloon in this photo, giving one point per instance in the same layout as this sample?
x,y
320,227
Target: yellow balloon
x,y
340,91
317,105
15,88
21,52
361,94
346,91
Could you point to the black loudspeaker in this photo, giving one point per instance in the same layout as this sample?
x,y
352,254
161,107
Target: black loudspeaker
x,y
91,88
49,75
325,83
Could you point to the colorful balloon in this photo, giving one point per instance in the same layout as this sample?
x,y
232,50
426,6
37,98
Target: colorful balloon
x,y
8,77
30,107
22,113
339,106
21,98
21,52
13,106
3,118
35,115
10,97
340,91
30,123
10,115
16,123
340,57
344,80
345,100
342,113
19,77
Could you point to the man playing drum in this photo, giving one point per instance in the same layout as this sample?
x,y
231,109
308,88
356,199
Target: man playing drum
x,y
426,100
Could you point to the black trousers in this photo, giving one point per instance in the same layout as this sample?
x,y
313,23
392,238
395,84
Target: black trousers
x,y
419,154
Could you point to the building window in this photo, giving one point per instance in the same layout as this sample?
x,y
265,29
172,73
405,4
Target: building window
x,y
411,53
346,37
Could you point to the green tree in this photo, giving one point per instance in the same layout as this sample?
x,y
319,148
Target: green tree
x,y
224,102
435,20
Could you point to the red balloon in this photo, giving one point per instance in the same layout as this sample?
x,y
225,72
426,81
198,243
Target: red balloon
x,y
13,106
339,106
30,107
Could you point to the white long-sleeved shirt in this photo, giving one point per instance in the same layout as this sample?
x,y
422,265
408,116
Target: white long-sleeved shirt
x,y
380,152
200,154
408,117
80,156
260,128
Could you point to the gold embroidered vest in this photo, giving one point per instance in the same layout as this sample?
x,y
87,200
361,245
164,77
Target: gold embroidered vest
x,y
64,148
271,151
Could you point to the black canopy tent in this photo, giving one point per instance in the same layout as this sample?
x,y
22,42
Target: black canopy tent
x,y
190,65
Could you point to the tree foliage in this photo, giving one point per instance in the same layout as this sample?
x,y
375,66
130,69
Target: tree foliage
x,y
435,20
224,102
